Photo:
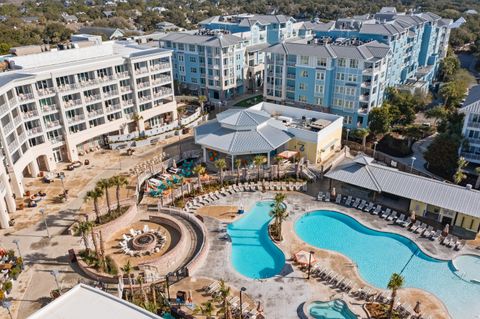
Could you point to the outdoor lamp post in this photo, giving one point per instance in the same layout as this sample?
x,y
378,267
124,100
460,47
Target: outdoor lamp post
x,y
374,148
413,161
42,211
55,275
241,307
7,304
310,262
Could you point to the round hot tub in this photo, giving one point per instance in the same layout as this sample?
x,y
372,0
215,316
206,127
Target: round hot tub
x,y
146,241
468,267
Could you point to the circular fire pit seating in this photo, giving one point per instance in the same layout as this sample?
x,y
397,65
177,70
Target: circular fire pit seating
x,y
142,242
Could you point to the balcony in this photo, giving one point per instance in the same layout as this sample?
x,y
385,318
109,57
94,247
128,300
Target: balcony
x,y
471,157
162,80
143,85
162,92
13,146
473,124
290,76
34,131
95,113
144,99
4,108
8,128
49,108
12,101
364,97
367,71
46,91
25,97
72,103
107,78
67,87
29,114
126,88
110,93
160,66
17,120
127,102
75,119
290,88
472,140
113,108
22,137
123,74
92,98
56,139
366,84
52,124
141,71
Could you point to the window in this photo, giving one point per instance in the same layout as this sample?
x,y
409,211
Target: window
x,y
319,89
191,47
354,64
342,62
347,120
348,104
340,76
193,59
319,101
302,86
302,98
193,70
304,73
322,62
304,59
320,75
349,90
339,89
338,102
352,78
194,80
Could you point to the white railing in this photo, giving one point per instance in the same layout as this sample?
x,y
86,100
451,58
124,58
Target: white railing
x,y
46,91
49,108
17,120
141,71
25,96
28,114
7,128
13,146
74,119
52,124
160,66
92,98
161,80
110,93
127,102
95,113
4,108
34,131
113,108
22,137
190,118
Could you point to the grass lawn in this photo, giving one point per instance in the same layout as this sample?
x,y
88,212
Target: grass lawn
x,y
250,101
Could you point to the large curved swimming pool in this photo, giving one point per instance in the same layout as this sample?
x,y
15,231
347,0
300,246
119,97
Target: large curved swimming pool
x,y
253,253
379,254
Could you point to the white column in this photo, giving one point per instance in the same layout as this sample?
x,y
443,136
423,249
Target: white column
x,y
204,154
11,205
4,217
268,159
17,185
233,162
33,167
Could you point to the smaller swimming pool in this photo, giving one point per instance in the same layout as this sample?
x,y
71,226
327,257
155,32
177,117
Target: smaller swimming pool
x,y
468,267
335,309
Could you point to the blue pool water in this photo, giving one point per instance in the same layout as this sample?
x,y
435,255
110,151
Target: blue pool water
x,y
379,254
253,253
336,309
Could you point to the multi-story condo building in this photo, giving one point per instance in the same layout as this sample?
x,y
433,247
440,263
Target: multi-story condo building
x,y
211,64
57,104
347,79
471,126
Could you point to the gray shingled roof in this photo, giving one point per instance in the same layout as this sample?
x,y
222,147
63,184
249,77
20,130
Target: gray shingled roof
x,y
243,118
222,41
363,173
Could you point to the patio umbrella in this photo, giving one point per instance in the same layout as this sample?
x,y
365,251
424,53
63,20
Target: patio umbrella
x,y
259,307
303,256
190,297
417,308
446,230
334,192
413,216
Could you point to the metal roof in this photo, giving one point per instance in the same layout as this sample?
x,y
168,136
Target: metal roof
x,y
364,173
472,102
83,301
242,118
221,41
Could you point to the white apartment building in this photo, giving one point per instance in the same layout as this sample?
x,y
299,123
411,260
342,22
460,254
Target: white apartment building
x,y
57,104
470,149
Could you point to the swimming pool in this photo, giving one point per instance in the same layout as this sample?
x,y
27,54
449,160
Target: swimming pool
x,y
253,253
379,254
468,267
335,309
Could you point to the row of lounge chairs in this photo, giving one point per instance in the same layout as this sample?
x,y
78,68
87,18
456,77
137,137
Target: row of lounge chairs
x,y
249,312
402,220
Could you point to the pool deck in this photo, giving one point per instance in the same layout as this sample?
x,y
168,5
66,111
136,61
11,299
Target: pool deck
x,y
283,296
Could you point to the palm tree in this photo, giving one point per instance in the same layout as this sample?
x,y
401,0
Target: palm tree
x,y
363,134
477,183
238,164
202,99
258,161
83,228
118,182
222,297
279,213
104,184
94,195
459,175
142,290
279,198
395,283
200,171
137,118
127,269
206,309
220,164
413,132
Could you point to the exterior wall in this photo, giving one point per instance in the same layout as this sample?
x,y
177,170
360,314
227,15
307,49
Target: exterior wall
x,y
468,222
471,132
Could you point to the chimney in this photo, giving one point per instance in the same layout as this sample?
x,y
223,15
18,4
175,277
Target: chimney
x,y
469,187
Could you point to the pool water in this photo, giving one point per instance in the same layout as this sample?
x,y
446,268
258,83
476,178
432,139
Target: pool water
x,y
468,267
253,253
336,309
379,254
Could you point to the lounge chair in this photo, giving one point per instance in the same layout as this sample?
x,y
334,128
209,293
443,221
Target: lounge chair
x,y
348,202
447,240
459,245
392,216
428,232
436,235
320,196
421,228
327,197
407,222
356,203
386,213
415,226
362,204
377,210
338,200
452,242
369,207
400,219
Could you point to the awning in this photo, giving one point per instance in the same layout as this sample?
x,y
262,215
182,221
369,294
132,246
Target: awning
x,y
287,154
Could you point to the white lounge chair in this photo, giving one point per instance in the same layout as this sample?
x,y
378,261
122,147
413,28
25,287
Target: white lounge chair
x,y
320,196
377,210
327,197
356,202
146,229
428,232
369,207
338,200
421,228
392,216
386,213
348,202
407,222
400,219
415,226
362,204
436,235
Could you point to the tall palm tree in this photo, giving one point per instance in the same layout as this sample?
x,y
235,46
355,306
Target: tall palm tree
x,y
258,161
459,175
477,183
221,164
278,161
105,184
83,228
363,134
395,283
94,195
118,182
202,99
279,198
200,171
222,297
127,269
205,309
137,118
238,164
142,289
279,213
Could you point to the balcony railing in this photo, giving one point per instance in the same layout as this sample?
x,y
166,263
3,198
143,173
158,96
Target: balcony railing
x,y
110,93
12,101
143,84
22,137
25,96
141,71
471,156
66,87
126,88
162,80
34,131
162,92
9,127
127,102
72,103
145,98
49,108
77,118
52,124
4,108
56,139
160,66
95,113
46,91
473,124
29,114
123,74
113,108
13,146
472,140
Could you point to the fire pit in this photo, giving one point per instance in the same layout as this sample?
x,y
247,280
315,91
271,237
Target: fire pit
x,y
145,241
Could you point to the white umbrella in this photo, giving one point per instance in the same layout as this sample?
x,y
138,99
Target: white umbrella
x,y
446,230
413,216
